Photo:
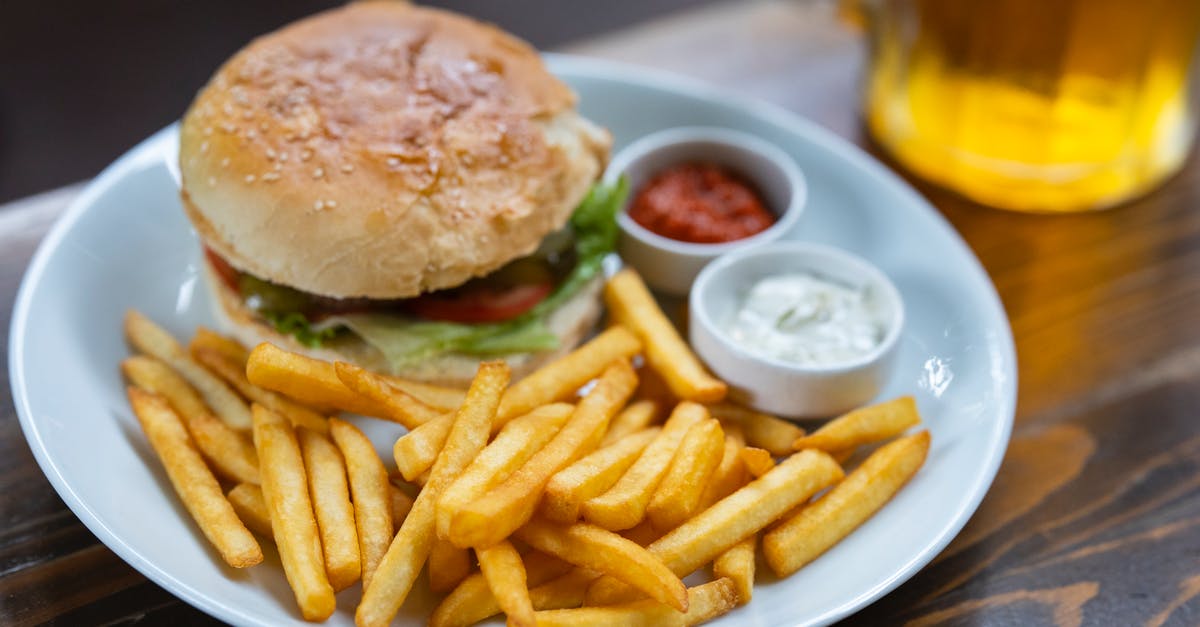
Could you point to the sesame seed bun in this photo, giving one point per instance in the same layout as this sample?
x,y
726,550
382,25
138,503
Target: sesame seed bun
x,y
383,150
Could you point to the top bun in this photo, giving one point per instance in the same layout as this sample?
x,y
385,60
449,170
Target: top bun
x,y
382,150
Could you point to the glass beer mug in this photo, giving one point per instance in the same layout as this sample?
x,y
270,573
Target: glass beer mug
x,y
1034,105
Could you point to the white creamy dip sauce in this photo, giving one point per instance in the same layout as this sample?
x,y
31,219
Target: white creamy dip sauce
x,y
807,320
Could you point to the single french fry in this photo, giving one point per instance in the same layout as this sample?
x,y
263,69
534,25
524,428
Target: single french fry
x,y
331,502
761,430
864,425
505,574
592,475
193,481
630,303
730,474
438,397
409,550
758,461
153,340
512,502
247,501
512,447
593,548
556,381
370,493
705,602
311,381
472,601
448,566
738,564
678,494
285,491
819,526
741,514
400,503
207,339
637,416
235,376
624,504
230,452
401,407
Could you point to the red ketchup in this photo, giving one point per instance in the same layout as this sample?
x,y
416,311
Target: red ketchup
x,y
700,203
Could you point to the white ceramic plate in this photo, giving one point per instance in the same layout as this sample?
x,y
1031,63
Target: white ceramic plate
x,y
125,243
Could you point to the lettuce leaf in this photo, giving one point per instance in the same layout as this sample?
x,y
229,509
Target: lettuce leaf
x,y
405,340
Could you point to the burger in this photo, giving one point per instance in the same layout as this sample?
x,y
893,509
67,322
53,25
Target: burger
x,y
400,187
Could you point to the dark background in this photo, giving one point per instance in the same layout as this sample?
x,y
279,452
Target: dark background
x,y
81,81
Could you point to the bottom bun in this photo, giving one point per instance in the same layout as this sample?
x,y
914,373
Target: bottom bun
x,y
571,322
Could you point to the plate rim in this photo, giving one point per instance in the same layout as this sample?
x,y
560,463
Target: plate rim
x,y
578,66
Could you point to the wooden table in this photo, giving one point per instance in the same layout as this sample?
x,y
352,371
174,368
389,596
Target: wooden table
x,y
1095,515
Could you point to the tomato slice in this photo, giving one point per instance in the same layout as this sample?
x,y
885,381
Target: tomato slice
x,y
480,304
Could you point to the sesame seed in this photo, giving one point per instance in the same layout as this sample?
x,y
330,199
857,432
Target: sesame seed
x,y
278,166
318,173
203,147
271,154
283,156
249,178
270,176
393,162
251,134
305,155
347,168
208,131
227,109
225,162
331,203
247,115
264,127
319,205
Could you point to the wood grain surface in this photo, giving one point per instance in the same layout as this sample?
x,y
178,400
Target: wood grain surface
x,y
1094,518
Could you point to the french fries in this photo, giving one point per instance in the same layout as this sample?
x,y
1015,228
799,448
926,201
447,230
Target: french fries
x,y
678,494
505,574
731,520
310,381
448,566
153,340
235,375
823,524
556,381
331,503
248,504
592,476
472,601
207,339
603,551
399,405
610,512
758,461
370,491
230,452
511,503
738,565
634,418
193,482
631,304
515,444
409,550
285,492
864,425
705,602
761,430
624,504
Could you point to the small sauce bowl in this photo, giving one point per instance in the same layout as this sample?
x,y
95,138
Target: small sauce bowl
x,y
775,385
671,265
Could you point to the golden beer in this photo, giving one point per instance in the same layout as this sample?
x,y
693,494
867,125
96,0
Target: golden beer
x,y
1037,105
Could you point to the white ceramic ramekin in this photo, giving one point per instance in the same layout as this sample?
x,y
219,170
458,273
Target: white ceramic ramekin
x,y
774,385
671,265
